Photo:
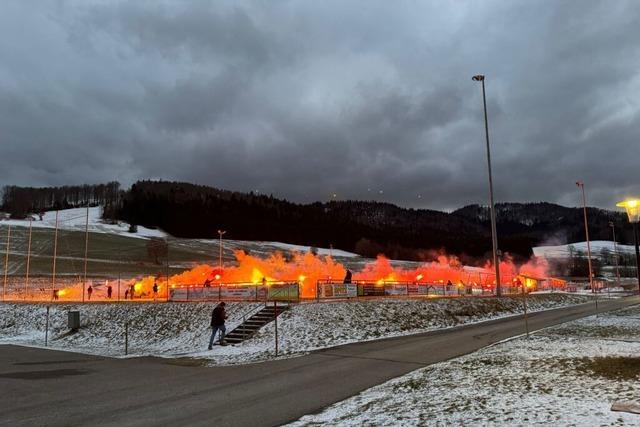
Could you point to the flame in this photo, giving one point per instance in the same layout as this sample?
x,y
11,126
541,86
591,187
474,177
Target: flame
x,y
307,269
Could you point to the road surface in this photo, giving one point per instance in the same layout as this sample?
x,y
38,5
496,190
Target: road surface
x,y
45,387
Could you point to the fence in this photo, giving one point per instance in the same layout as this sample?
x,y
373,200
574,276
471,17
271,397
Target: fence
x,y
327,289
268,291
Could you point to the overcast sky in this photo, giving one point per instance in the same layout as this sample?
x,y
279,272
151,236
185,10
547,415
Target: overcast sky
x,y
306,99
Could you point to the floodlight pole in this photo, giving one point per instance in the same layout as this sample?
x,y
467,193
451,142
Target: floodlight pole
x,y
494,234
6,264
635,241
580,184
26,279
86,249
55,254
615,252
221,233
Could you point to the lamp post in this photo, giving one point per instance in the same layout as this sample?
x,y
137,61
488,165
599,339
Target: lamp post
x,y
632,206
221,233
494,234
580,185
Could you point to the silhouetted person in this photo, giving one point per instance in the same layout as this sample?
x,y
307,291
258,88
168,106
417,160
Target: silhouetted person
x,y
126,293
89,292
347,277
55,295
132,291
217,324
109,291
155,290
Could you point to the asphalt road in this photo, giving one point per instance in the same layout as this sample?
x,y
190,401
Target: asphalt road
x,y
45,387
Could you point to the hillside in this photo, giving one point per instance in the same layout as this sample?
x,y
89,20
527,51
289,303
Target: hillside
x,y
366,227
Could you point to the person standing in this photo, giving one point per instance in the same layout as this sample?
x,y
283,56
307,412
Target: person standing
x,y
89,292
109,291
132,291
218,317
347,277
155,291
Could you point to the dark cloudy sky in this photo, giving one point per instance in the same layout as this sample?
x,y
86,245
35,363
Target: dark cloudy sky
x,y
304,99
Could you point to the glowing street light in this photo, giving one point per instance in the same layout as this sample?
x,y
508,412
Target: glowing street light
x,y
494,234
632,206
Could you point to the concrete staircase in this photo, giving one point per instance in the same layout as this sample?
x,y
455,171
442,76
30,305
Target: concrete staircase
x,y
250,326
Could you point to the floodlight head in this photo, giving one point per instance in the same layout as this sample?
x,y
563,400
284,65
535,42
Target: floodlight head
x,y
478,78
632,206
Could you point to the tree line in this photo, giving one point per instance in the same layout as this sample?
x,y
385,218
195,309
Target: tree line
x,y
365,227
21,201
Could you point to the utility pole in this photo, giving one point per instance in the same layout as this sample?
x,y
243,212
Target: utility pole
x,y
86,250
6,264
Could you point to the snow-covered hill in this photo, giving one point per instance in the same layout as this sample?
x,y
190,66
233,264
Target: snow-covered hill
x,y
563,251
75,219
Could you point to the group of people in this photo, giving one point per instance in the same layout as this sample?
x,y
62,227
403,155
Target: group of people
x,y
90,292
129,293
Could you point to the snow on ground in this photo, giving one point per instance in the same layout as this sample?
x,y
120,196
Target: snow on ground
x,y
182,330
321,251
562,251
564,375
75,220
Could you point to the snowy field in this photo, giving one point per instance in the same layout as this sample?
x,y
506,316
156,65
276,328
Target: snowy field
x,y
562,251
181,330
567,375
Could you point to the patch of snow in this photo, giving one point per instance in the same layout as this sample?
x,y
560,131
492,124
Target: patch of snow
x,y
181,329
321,251
562,251
544,380
75,220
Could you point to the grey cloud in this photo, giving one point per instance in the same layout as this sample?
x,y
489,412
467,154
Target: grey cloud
x,y
368,100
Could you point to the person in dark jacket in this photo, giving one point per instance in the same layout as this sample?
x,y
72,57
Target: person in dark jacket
x,y
217,324
109,291
347,277
89,291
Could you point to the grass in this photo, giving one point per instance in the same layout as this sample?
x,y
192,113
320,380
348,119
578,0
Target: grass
x,y
610,367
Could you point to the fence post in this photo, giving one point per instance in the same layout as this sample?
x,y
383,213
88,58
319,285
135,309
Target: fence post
x,y
275,318
46,330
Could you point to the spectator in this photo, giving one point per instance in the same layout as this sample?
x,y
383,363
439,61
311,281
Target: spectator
x,y
347,277
109,291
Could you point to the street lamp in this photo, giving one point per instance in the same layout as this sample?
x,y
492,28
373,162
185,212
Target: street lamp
x,y
221,233
494,234
580,185
632,206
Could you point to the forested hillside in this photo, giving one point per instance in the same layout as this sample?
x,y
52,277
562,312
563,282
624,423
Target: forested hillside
x,y
366,227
